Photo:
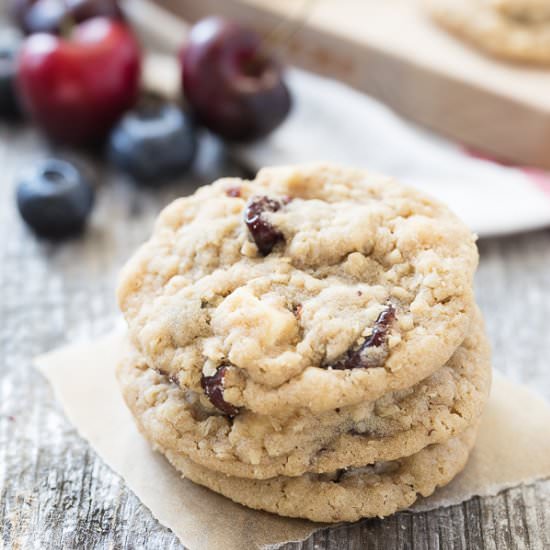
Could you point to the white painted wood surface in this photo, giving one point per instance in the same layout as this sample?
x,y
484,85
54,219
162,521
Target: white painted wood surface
x,y
55,493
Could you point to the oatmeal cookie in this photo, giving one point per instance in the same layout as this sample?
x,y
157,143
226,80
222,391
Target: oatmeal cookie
x,y
308,288
518,30
530,11
344,495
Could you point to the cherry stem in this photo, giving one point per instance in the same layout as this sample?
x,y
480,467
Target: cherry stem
x,y
68,22
284,30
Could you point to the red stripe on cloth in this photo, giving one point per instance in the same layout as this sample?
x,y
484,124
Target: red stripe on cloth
x,y
539,177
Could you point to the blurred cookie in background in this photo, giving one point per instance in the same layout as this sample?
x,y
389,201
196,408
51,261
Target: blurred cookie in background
x,y
518,30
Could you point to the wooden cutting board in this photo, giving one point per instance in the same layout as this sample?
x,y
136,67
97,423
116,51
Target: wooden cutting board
x,y
391,50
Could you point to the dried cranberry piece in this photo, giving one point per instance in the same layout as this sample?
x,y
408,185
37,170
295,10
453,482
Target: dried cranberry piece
x,y
381,327
264,234
358,358
234,192
213,388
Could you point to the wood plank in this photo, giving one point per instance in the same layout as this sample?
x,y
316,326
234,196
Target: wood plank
x,y
392,51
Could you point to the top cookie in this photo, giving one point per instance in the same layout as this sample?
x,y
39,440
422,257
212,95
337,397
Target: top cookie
x,y
310,287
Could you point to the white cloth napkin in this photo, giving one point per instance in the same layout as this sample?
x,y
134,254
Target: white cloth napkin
x,y
332,122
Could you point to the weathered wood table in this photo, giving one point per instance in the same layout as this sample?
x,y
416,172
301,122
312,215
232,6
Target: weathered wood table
x,y
56,493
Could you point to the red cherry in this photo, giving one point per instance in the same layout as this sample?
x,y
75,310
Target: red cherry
x,y
235,89
77,89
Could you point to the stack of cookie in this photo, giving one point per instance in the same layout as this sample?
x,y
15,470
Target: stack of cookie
x,y
307,343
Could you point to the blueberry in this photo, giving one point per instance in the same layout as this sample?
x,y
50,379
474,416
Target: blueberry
x,y
9,47
54,198
34,16
54,16
154,142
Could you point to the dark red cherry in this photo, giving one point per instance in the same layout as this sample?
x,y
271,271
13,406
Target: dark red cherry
x,y
234,87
